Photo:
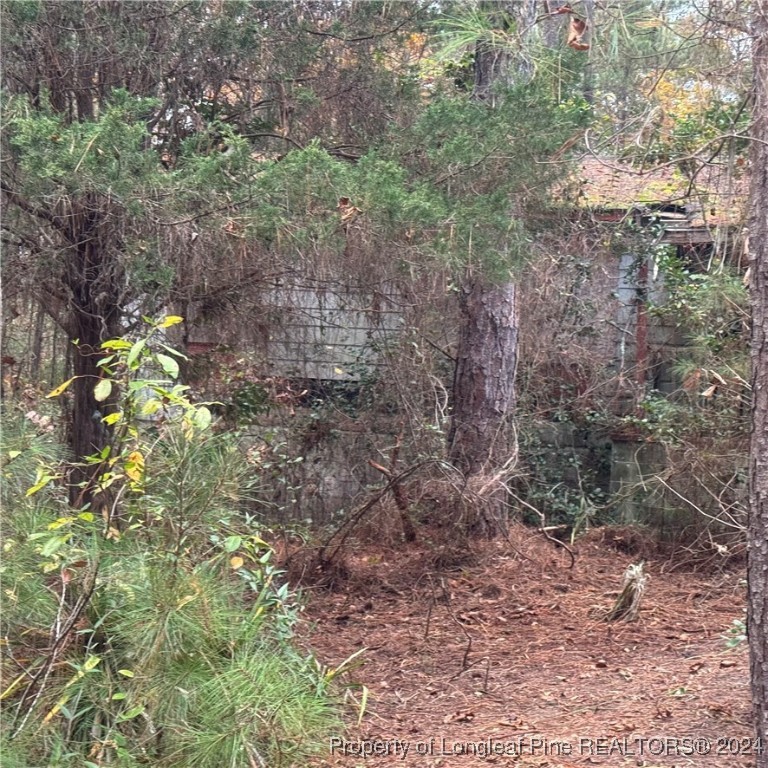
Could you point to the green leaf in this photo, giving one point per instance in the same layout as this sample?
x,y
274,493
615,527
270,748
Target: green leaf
x,y
202,418
119,696
170,366
232,543
174,352
125,672
130,714
66,712
169,321
54,544
133,355
102,390
91,663
56,392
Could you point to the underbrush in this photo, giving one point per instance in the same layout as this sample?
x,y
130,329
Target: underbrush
x,y
151,626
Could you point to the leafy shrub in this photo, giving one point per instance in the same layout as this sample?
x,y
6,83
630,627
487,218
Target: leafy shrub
x,y
154,628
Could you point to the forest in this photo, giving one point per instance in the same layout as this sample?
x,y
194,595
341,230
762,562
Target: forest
x,y
384,382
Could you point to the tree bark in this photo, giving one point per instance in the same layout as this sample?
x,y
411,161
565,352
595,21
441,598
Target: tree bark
x,y
87,433
94,276
479,440
91,291
484,382
496,65
37,343
757,568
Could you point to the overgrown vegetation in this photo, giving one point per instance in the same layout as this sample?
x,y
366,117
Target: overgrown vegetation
x,y
213,191
152,625
345,202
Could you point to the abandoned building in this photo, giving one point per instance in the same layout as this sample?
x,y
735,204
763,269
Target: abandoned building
x,y
320,332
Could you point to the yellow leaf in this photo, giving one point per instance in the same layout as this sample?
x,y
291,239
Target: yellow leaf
x,y
113,418
134,466
13,686
236,562
56,392
42,480
153,405
116,344
55,709
62,521
169,321
650,23
187,599
90,664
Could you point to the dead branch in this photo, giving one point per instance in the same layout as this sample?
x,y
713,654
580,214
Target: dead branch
x,y
347,526
544,529
401,502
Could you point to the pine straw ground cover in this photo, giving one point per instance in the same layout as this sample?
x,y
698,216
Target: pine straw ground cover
x,y
511,648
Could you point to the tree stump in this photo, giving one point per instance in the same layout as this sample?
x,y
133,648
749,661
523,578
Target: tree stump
x,y
627,605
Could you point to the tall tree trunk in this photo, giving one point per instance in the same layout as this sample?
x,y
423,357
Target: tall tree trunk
x,y
37,343
484,387
87,432
93,274
757,608
90,291
496,65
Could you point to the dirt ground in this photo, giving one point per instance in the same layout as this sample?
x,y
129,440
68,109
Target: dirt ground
x,y
506,661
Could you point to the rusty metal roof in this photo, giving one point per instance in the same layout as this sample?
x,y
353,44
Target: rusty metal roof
x,y
710,195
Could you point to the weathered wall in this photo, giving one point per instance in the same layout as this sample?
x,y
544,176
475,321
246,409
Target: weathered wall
x,y
316,469
590,347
